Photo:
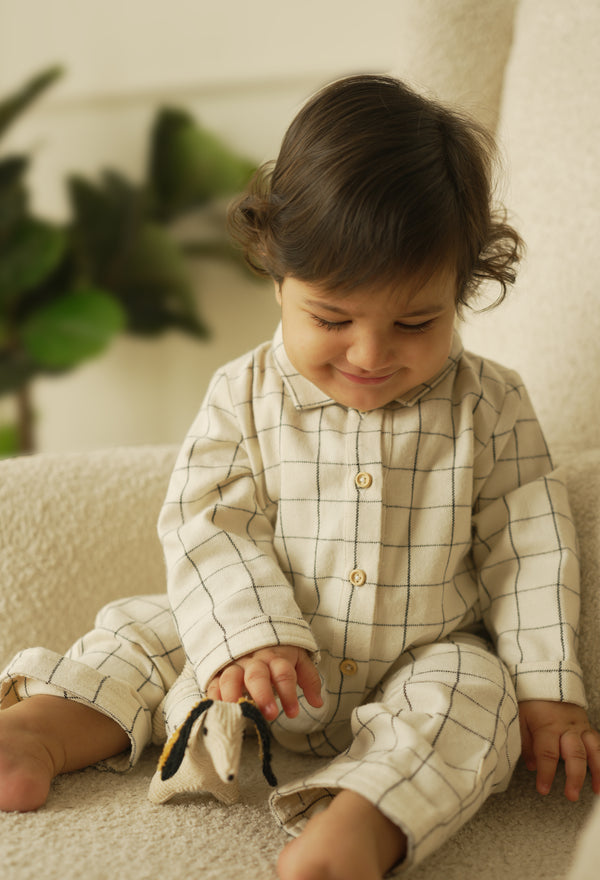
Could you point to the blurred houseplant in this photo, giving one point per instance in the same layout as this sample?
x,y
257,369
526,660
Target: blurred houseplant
x,y
66,290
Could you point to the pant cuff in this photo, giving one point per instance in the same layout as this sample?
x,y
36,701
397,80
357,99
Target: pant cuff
x,y
40,671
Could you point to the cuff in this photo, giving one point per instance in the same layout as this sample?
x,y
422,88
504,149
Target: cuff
x,y
559,682
260,632
40,671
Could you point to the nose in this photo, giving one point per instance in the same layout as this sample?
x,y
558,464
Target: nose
x,y
371,352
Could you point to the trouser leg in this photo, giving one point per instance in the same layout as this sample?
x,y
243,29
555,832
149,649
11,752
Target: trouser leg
x,y
437,737
123,668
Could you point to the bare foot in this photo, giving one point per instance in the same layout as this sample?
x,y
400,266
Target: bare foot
x,y
26,766
43,736
350,840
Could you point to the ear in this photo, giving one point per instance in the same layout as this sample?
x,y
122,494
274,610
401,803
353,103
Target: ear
x,y
250,711
173,752
277,290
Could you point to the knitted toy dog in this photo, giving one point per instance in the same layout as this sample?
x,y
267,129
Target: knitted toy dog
x,y
203,754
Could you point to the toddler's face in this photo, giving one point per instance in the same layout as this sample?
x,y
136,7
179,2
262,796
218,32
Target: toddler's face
x,y
368,347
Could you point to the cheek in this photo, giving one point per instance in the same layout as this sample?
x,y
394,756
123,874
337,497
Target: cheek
x,y
431,351
320,349
420,350
443,334
307,350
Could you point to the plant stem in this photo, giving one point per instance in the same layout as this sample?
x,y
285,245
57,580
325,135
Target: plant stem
x,y
25,420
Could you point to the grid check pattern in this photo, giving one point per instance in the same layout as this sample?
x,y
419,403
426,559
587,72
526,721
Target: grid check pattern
x,y
435,738
124,668
377,541
463,522
390,544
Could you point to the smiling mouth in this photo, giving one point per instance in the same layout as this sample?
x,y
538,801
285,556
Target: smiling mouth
x,y
366,380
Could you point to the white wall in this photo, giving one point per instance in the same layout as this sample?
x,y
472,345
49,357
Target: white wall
x,y
244,68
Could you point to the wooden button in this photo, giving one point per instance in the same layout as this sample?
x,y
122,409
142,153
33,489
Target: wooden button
x,y
363,480
348,667
358,577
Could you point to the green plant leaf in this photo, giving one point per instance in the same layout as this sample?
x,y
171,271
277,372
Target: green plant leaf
x,y
154,285
107,218
12,169
188,165
28,256
136,259
18,101
13,195
74,327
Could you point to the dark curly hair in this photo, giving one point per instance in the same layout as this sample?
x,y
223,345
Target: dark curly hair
x,y
376,184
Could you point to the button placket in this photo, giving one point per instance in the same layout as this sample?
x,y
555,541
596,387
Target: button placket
x,y
363,533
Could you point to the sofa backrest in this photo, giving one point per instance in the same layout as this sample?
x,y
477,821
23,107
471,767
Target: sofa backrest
x,y
549,126
456,52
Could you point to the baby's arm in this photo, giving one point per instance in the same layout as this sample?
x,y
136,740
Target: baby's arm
x,y
552,730
266,673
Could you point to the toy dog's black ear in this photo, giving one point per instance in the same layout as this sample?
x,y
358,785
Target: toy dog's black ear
x,y
173,753
250,711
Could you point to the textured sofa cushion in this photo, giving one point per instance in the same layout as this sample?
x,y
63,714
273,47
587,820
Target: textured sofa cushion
x,y
79,530
470,77
550,128
76,531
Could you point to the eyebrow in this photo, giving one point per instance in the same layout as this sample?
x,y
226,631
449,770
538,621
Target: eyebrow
x,y
424,312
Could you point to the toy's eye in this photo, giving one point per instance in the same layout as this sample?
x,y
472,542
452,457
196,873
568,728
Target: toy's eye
x,y
205,730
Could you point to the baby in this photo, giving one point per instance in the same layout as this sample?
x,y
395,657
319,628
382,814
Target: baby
x,y
363,530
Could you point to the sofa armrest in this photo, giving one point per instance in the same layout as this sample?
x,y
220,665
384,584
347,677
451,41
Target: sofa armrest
x,y
582,475
76,531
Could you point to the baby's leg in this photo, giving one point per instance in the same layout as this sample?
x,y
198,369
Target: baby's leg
x,y
114,678
43,736
350,840
440,734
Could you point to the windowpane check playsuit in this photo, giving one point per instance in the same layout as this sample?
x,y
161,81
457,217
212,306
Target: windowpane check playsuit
x,y
423,553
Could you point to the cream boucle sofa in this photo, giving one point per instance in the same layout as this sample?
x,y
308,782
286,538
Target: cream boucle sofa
x,y
78,530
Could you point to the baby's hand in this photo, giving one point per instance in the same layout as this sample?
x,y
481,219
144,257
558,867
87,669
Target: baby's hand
x,y
265,673
550,731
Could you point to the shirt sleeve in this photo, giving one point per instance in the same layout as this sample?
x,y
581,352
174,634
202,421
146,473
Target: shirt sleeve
x,y
226,588
526,555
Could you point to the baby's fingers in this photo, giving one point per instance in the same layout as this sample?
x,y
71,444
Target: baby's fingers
x,y
309,680
213,691
574,755
258,683
546,750
591,741
284,678
228,686
527,745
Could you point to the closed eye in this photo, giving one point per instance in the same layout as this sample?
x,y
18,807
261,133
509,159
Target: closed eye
x,y
405,328
415,328
329,325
